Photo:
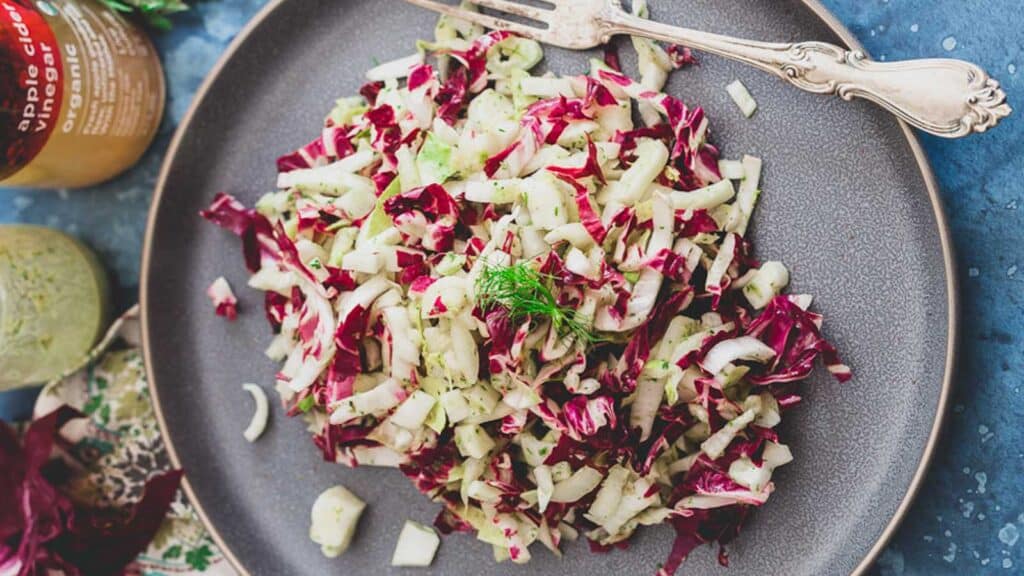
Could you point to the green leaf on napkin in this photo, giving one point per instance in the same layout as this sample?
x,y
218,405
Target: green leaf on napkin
x,y
199,559
172,552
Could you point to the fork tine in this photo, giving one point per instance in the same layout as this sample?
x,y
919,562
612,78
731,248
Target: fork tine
x,y
515,8
481,19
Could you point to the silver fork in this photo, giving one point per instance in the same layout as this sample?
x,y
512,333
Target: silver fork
x,y
945,97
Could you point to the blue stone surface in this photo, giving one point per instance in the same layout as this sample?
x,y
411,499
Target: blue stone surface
x,y
970,512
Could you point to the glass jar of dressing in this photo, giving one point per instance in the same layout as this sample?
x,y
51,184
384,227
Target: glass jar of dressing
x,y
81,93
53,304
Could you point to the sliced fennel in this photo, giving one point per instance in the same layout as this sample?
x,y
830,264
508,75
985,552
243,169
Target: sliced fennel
x,y
744,101
335,516
417,544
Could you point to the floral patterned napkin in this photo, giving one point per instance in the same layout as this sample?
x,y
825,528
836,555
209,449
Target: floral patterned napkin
x,y
119,447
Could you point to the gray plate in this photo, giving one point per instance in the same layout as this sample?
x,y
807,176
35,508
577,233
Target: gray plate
x,y
849,204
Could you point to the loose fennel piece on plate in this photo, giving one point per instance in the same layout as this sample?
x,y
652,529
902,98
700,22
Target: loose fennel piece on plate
x,y
545,315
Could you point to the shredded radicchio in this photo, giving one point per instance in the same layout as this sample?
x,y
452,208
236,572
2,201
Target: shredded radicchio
x,y
544,325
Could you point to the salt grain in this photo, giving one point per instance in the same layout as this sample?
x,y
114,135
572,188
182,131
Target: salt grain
x,y
967,509
1009,534
950,554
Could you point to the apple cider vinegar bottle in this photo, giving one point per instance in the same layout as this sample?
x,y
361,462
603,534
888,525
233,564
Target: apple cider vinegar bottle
x,y
81,93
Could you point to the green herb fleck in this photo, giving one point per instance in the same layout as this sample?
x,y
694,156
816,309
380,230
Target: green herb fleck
x,y
306,404
526,293
315,264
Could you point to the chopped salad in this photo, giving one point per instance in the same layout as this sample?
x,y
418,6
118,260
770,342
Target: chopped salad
x,y
543,313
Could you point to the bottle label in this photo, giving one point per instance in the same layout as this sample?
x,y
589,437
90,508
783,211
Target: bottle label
x,y
106,97
31,83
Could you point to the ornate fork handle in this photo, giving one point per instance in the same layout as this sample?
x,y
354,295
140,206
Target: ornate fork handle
x,y
949,98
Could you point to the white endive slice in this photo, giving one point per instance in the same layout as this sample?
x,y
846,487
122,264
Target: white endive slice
x,y
259,418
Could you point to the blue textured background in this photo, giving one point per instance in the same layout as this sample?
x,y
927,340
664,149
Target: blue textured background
x,y
970,512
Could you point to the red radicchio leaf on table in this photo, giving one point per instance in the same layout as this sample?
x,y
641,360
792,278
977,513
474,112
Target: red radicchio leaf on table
x,y
103,542
42,530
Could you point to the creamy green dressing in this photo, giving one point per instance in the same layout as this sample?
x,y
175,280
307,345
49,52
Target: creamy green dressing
x,y
53,304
